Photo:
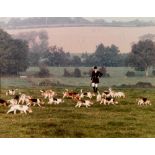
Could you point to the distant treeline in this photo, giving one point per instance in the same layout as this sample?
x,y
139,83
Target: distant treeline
x,y
41,53
19,52
67,21
103,56
13,54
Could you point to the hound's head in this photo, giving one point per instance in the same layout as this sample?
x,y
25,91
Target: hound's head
x,y
42,91
77,97
50,91
54,93
29,110
110,89
29,97
116,102
65,94
82,95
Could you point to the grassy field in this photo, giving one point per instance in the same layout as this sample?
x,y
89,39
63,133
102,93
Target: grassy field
x,y
126,119
117,77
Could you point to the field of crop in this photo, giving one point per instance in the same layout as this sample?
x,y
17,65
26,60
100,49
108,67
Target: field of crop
x,y
126,119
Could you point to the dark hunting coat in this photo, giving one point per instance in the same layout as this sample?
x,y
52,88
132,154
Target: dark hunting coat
x,y
95,76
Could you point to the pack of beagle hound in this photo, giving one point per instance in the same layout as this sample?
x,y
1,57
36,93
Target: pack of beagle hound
x,y
23,103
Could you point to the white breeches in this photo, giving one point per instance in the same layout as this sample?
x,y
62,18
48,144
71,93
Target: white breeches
x,y
95,85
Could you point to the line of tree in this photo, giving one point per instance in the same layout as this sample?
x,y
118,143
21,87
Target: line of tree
x,y
104,56
13,54
38,45
31,49
142,56
55,56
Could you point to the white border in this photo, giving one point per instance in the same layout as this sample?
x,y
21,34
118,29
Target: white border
x,y
78,8
72,146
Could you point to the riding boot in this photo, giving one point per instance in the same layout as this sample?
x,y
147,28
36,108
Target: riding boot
x,y
94,89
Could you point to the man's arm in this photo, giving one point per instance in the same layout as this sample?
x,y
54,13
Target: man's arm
x,y
100,74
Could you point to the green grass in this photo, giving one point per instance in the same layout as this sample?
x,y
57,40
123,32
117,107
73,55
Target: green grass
x,y
117,77
123,120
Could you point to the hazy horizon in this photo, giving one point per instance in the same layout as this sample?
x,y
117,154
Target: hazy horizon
x,y
124,19
85,39
108,19
79,39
